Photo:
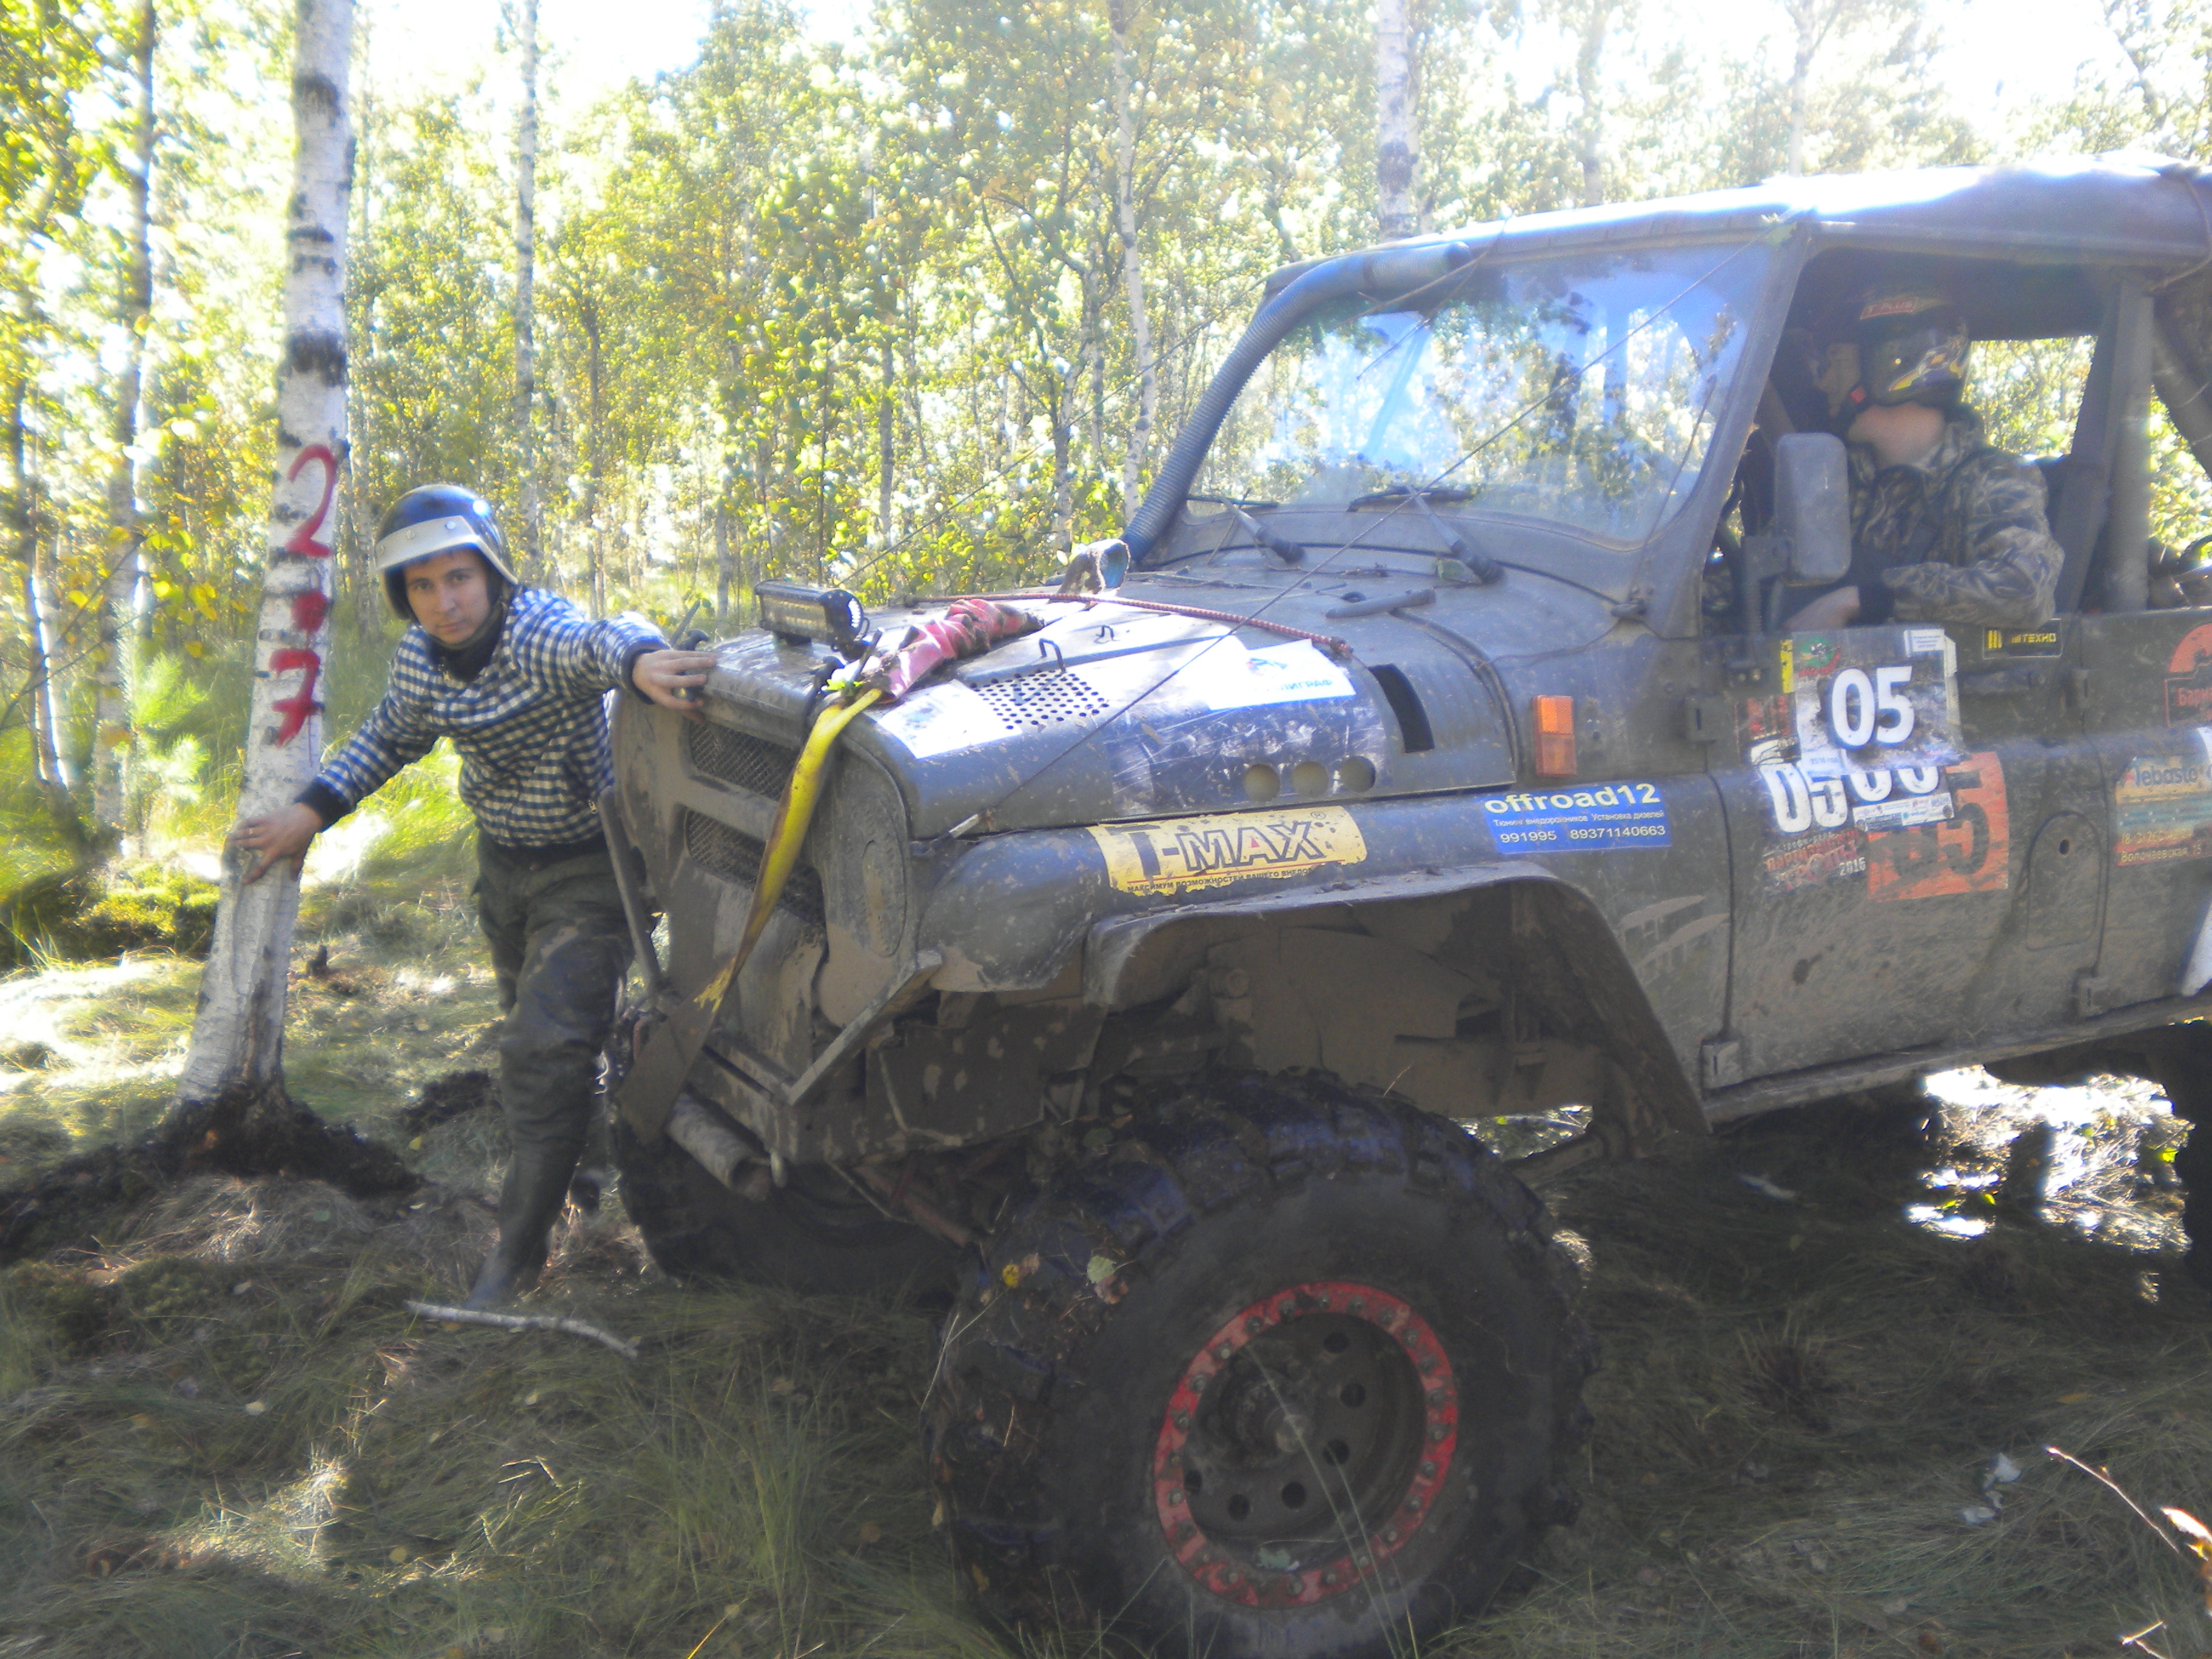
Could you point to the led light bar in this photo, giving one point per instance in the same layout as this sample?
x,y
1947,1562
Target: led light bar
x,y
829,616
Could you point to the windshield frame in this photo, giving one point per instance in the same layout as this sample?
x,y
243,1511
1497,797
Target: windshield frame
x,y
1652,569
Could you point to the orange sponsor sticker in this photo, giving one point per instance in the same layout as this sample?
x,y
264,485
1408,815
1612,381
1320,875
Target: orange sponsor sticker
x,y
1969,852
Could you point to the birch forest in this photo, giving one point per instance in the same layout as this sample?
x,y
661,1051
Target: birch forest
x,y
909,310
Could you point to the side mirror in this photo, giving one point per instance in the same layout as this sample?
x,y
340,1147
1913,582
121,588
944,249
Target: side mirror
x,y
1813,505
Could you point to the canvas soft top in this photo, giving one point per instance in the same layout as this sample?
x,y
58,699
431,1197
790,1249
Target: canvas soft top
x,y
2126,209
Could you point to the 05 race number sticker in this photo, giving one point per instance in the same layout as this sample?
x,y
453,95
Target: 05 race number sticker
x,y
1888,700
1179,856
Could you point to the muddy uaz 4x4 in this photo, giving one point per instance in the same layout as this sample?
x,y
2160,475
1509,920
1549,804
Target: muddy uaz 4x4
x,y
1439,759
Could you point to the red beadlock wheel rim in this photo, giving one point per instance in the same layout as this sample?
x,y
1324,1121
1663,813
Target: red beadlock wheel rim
x,y
1305,1444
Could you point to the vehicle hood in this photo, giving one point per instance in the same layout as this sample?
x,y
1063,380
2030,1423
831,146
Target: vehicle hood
x,y
1111,711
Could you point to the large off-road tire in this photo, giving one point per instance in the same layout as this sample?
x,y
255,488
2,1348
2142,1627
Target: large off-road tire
x,y
1284,1370
814,1235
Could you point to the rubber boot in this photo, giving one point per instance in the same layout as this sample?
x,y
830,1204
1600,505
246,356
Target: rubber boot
x,y
530,1202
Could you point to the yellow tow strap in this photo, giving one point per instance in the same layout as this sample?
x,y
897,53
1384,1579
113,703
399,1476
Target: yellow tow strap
x,y
792,814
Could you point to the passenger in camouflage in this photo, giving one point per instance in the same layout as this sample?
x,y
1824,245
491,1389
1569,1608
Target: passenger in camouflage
x,y
1946,527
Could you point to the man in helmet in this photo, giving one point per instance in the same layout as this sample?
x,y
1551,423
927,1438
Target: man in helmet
x,y
1945,526
514,675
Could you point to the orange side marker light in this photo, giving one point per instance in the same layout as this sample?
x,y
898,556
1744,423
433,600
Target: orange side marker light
x,y
1555,737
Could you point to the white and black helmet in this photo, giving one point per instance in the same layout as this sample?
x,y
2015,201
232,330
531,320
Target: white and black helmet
x,y
433,519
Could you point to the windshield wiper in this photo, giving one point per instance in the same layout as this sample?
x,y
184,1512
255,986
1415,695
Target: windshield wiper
x,y
1232,501
1446,493
1283,549
1480,566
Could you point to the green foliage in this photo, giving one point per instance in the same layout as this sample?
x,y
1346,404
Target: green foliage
x,y
859,312
142,907
46,1306
90,916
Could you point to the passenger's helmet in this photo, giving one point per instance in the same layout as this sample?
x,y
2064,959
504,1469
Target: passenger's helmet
x,y
433,519
1912,346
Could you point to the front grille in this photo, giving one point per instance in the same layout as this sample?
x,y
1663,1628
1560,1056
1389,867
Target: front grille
x,y
736,856
1052,697
753,764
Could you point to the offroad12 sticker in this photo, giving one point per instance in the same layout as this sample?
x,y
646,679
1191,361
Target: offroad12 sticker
x,y
1177,855
2162,806
1599,819
1873,699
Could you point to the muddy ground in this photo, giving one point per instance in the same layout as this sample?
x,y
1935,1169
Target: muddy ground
x,y
1833,1360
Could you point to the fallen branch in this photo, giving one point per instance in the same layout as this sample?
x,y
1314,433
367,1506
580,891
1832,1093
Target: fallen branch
x,y
522,1322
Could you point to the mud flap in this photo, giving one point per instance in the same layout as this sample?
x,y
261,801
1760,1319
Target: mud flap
x,y
2197,973
669,1040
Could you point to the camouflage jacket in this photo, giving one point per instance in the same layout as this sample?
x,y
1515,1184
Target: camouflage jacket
x,y
1961,537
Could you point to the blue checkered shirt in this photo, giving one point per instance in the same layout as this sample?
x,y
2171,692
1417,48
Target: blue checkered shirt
x,y
531,727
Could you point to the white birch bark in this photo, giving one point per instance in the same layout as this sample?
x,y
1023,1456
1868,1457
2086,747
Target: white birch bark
x,y
1393,121
111,741
1589,92
45,617
526,281
238,1036
1137,453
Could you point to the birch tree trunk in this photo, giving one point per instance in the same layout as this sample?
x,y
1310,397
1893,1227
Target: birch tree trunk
x,y
1137,453
112,741
1811,20
366,585
722,571
237,1047
1590,69
1393,121
525,277
886,443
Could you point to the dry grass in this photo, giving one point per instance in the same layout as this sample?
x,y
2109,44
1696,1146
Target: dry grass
x,y
1802,1398
220,1435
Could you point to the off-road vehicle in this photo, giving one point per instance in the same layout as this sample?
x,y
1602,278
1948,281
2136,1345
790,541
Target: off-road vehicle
x,y
1440,759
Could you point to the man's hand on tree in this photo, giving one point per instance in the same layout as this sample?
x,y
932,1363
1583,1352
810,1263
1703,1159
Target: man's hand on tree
x,y
1838,610
279,837
672,677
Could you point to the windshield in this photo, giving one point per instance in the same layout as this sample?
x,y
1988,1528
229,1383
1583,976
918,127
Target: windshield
x,y
1581,390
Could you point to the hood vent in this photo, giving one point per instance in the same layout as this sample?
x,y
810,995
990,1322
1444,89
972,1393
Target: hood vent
x,y
738,758
736,856
1052,697
1413,732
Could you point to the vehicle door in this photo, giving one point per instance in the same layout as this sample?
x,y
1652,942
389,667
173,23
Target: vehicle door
x,y
1873,847
2146,688
1917,821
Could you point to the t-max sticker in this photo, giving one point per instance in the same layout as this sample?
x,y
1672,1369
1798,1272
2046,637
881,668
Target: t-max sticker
x,y
1593,819
1909,832
1175,855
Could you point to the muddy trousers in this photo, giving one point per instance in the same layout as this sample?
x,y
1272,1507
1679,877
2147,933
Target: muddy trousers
x,y
560,945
